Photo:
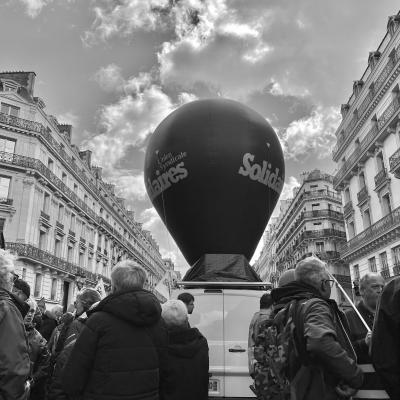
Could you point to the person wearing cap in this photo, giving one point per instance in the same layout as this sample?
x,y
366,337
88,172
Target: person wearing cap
x,y
188,360
21,289
14,355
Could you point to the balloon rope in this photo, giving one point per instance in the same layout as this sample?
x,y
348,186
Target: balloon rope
x,y
349,300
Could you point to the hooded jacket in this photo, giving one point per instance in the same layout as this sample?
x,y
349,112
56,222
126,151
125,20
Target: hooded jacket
x,y
330,357
385,347
188,365
14,356
121,352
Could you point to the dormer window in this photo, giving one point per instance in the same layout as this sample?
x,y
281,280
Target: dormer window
x,y
9,109
9,85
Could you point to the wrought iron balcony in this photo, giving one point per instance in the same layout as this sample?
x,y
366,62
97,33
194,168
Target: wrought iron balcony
x,y
377,229
394,162
82,240
328,255
44,215
322,214
59,225
396,269
348,208
314,234
6,201
71,233
385,273
43,257
91,247
362,195
21,123
381,177
344,280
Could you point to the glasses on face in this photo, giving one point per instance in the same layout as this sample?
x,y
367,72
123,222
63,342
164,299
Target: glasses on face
x,y
331,282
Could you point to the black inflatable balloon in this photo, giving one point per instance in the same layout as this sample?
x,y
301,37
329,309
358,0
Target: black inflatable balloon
x,y
214,171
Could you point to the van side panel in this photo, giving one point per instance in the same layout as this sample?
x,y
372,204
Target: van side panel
x,y
208,317
239,308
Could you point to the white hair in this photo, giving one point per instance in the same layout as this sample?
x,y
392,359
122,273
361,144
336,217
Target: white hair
x,y
311,270
7,267
174,313
128,274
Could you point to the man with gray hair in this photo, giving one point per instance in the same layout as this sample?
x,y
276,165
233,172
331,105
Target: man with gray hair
x,y
121,352
371,286
326,367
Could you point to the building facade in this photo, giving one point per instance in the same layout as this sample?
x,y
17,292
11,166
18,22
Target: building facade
x,y
311,223
66,224
367,153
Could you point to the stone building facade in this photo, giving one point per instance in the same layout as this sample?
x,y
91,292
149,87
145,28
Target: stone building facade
x,y
67,225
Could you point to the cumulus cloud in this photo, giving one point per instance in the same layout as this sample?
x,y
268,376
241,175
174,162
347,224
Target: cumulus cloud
x,y
313,136
34,7
68,117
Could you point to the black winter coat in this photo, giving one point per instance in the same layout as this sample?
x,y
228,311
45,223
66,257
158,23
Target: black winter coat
x,y
385,346
121,352
47,326
188,365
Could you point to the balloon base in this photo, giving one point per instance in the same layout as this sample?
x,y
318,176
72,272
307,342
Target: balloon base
x,y
222,268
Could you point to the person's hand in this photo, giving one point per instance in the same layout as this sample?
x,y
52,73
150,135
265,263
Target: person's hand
x,y
368,338
345,391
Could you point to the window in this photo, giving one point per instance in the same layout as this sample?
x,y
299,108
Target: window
x,y
64,178
24,274
70,254
72,222
384,261
396,255
313,187
356,272
4,187
372,264
366,218
10,109
46,202
379,162
50,164
60,215
361,180
75,188
320,247
53,292
386,205
42,240
57,247
38,285
350,229
346,195
2,221
82,259
7,145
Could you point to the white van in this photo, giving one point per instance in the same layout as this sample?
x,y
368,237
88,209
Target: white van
x,y
222,313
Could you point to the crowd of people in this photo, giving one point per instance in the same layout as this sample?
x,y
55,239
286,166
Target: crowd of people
x,y
302,346
125,346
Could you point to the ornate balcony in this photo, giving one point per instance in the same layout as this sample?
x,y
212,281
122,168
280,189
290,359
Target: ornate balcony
x,y
362,195
381,178
396,269
348,208
315,234
328,255
322,214
71,233
44,215
59,225
21,123
82,240
6,201
49,260
375,231
394,162
385,273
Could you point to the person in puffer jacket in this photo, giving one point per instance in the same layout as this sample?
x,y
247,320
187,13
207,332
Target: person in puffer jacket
x,y
187,355
85,300
121,352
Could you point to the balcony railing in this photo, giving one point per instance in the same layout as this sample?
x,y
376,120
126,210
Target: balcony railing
x,y
44,215
82,240
394,162
368,140
48,259
362,195
348,208
396,269
353,127
6,201
322,214
21,123
71,233
380,177
328,255
378,228
313,234
385,273
59,225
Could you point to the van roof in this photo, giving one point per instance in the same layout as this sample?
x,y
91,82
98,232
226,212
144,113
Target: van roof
x,y
232,285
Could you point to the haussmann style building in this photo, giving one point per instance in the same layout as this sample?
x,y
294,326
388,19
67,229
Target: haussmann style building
x,y
66,224
310,223
367,154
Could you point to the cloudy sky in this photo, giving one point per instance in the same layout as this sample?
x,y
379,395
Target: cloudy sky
x,y
115,68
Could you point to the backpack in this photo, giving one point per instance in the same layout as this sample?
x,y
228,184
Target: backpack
x,y
279,351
